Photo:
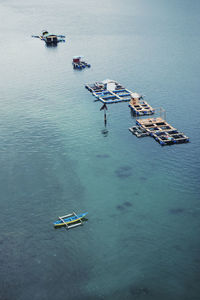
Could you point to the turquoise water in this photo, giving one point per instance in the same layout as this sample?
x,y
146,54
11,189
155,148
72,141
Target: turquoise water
x,y
141,240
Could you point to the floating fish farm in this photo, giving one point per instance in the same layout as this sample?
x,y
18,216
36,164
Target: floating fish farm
x,y
160,130
109,91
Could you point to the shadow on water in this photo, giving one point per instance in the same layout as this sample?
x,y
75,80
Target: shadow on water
x,y
51,46
105,132
133,115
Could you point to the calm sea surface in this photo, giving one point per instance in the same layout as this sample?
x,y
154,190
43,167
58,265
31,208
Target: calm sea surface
x,y
141,240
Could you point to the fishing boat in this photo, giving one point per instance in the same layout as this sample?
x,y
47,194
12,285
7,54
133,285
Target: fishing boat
x,y
78,63
50,39
70,220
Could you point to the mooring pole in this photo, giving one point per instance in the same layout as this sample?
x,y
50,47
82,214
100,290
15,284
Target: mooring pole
x,y
104,108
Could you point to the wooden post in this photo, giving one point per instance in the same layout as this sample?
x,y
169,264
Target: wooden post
x,y
104,107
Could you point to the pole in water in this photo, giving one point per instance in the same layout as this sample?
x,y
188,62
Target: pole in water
x,y
104,107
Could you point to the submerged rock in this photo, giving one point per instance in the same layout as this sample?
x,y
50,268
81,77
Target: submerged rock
x,y
143,178
176,211
128,204
102,156
123,171
137,291
120,207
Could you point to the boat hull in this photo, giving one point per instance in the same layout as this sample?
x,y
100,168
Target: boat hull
x,y
69,220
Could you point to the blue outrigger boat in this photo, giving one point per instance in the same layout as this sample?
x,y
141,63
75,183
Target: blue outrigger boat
x,y
70,220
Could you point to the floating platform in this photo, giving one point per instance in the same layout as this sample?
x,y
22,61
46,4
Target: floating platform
x,y
81,65
138,131
162,131
109,91
140,107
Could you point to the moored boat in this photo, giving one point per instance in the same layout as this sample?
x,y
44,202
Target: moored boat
x,y
78,63
50,39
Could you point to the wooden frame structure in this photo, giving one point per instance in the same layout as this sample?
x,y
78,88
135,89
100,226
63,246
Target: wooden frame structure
x,y
108,96
162,131
110,91
138,131
141,108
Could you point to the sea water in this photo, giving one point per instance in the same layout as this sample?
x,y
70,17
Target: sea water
x,y
141,240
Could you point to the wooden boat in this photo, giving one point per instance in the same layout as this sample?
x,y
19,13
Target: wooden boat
x,y
50,39
69,219
78,63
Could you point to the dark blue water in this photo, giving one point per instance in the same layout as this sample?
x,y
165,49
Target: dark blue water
x,y
141,240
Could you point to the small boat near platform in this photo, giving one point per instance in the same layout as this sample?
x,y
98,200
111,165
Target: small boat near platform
x,y
79,64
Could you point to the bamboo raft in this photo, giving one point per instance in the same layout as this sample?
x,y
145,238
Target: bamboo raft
x,y
161,131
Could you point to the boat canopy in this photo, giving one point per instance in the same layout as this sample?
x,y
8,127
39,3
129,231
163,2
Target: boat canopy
x,y
50,34
78,57
44,32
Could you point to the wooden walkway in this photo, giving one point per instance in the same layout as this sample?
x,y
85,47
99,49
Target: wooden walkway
x,y
162,131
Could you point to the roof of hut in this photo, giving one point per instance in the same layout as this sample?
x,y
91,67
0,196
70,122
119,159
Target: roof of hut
x,y
135,95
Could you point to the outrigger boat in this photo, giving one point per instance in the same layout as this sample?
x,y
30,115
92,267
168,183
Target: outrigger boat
x,y
70,220
50,39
